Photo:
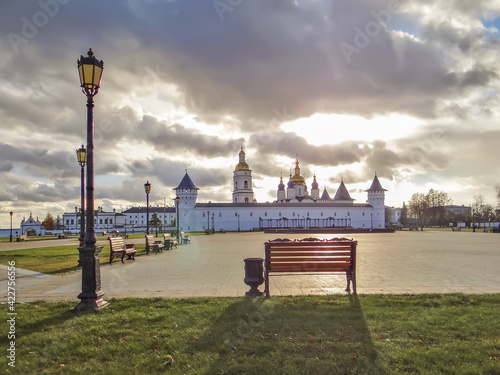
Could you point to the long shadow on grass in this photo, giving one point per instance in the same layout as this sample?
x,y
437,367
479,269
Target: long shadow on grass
x,y
44,324
290,335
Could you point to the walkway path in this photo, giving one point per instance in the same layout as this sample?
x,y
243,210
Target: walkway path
x,y
403,262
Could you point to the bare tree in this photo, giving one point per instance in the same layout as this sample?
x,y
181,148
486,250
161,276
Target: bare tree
x,y
498,196
417,206
481,210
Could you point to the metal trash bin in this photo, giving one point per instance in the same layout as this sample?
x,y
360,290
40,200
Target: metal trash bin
x,y
254,275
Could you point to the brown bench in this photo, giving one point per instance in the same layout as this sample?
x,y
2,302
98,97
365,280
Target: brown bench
x,y
152,245
184,239
168,241
311,256
23,237
117,247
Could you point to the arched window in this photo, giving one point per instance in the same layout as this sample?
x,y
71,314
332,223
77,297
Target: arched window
x,y
236,184
245,184
246,200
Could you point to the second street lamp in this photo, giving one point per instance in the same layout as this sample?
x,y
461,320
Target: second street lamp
x,y
81,155
147,188
90,72
208,221
177,200
11,214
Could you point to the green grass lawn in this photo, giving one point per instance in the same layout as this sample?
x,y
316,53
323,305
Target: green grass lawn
x,y
372,334
55,259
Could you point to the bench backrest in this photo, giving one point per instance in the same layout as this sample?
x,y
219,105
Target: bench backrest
x,y
150,240
310,255
116,243
166,236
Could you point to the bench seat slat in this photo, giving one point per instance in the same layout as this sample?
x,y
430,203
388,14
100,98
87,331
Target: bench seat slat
x,y
308,267
310,248
311,260
311,254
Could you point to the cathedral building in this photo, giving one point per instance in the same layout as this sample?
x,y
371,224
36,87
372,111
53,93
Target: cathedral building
x,y
294,207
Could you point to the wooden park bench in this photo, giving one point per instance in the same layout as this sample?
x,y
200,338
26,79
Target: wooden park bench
x,y
117,247
117,233
168,241
152,245
311,256
23,237
185,239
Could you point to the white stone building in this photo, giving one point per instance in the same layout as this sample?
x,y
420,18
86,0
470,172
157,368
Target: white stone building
x,y
294,207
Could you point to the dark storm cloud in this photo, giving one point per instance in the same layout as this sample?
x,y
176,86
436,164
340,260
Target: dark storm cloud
x,y
225,67
170,173
178,138
239,69
282,143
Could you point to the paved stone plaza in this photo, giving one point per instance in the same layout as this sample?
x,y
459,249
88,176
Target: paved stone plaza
x,y
402,262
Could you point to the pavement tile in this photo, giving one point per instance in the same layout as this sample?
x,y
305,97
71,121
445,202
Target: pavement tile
x,y
394,263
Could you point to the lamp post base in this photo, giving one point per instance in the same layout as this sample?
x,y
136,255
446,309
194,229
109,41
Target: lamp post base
x,y
91,295
91,303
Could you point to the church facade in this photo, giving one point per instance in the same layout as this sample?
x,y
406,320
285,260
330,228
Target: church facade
x,y
294,207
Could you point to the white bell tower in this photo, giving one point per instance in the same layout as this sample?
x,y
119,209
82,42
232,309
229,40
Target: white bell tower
x,y
242,181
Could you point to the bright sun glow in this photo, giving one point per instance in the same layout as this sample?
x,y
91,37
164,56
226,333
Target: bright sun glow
x,y
333,129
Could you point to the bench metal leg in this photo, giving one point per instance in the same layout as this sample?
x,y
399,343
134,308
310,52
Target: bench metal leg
x,y
354,282
266,285
348,275
351,278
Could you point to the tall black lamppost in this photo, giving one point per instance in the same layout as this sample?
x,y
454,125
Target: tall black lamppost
x,y
208,221
81,155
213,222
177,200
164,212
90,71
11,214
238,222
147,189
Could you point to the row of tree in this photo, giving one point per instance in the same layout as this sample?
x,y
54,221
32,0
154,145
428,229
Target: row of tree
x,y
430,210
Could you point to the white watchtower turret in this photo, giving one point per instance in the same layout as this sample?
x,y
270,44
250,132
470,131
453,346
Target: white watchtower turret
x,y
376,198
187,192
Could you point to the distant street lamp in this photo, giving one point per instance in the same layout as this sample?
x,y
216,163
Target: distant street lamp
x,y
208,221
164,211
81,155
238,222
11,214
213,222
177,200
90,72
147,189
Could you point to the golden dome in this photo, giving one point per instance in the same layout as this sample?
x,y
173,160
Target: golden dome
x,y
242,166
297,178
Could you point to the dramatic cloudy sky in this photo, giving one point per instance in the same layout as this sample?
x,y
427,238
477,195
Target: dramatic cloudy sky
x,y
406,89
